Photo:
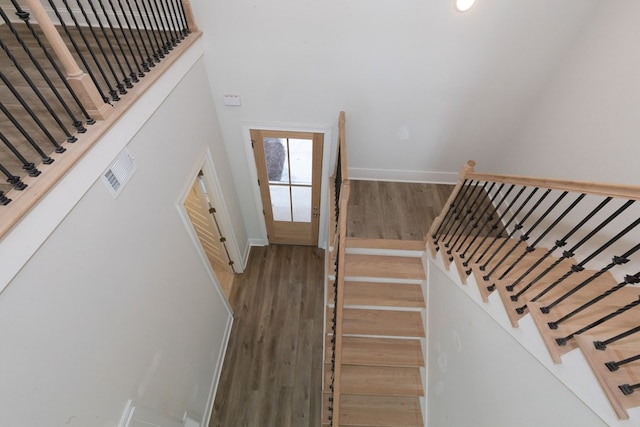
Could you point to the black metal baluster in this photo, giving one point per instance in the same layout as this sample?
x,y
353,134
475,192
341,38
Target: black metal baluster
x,y
119,85
150,50
614,366
183,16
524,236
125,78
159,25
45,158
29,110
132,73
175,37
468,209
481,215
602,345
163,28
495,226
450,212
158,49
617,260
628,280
474,214
459,207
569,253
75,122
533,245
147,62
564,340
504,229
175,19
25,16
130,30
112,91
627,389
580,266
558,244
32,85
26,165
14,180
4,200
489,219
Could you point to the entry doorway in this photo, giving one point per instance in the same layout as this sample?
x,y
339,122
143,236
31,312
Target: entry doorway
x,y
289,166
202,215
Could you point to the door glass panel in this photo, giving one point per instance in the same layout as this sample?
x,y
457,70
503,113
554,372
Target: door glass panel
x,y
300,158
275,153
301,204
280,202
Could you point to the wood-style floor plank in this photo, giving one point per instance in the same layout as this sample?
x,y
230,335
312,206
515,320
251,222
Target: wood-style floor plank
x,y
394,210
272,370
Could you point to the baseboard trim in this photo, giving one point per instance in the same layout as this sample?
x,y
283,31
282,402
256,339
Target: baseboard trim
x,y
216,375
403,175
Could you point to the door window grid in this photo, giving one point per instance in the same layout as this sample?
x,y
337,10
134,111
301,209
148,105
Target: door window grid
x,y
289,168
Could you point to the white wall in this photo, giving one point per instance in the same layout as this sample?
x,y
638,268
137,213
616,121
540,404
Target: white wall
x,y
424,88
481,376
585,124
117,304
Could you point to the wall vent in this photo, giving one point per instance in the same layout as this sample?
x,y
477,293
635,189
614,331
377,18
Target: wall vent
x,y
119,173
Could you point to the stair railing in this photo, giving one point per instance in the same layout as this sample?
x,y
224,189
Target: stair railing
x,y
336,321
340,189
117,43
566,252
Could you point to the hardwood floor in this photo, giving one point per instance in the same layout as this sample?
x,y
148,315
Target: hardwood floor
x,y
394,210
272,374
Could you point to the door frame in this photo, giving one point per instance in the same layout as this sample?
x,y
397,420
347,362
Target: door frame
x,y
214,192
327,150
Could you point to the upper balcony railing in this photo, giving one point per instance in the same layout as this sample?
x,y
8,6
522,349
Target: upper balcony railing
x,y
68,70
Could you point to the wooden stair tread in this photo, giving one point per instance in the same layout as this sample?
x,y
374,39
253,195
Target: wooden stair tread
x,y
383,294
375,411
383,266
396,411
622,322
379,380
381,323
378,351
390,244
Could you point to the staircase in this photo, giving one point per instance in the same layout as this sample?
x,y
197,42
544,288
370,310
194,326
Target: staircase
x,y
563,257
382,367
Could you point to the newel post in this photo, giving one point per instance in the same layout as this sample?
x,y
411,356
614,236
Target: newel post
x,y
466,170
188,14
80,82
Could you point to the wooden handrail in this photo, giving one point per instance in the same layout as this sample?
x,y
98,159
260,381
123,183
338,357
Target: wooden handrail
x,y
342,233
342,141
341,150
79,80
630,192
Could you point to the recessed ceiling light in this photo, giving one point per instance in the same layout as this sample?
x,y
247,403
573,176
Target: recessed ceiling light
x,y
463,5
